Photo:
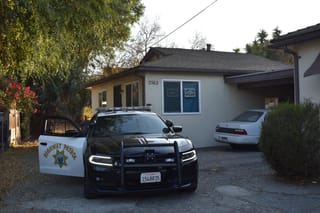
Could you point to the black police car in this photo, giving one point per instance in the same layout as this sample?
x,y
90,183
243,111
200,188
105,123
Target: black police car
x,y
123,151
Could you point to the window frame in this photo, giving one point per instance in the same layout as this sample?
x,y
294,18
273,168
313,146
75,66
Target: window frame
x,y
131,94
101,92
181,81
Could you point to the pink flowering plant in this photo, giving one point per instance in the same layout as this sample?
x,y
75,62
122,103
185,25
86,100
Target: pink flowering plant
x,y
17,96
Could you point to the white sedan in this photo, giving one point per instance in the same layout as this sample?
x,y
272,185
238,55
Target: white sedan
x,y
243,130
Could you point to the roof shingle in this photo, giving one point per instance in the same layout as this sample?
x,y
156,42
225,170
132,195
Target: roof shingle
x,y
209,61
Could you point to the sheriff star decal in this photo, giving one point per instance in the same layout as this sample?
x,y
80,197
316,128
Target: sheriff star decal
x,y
60,158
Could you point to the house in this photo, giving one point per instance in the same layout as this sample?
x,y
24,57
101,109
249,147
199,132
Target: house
x,y
304,45
196,88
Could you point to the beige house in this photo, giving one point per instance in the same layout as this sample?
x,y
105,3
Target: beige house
x,y
196,88
304,44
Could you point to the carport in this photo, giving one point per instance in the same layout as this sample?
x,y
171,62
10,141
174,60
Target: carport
x,y
278,84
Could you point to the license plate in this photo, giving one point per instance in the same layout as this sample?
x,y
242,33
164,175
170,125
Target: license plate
x,y
150,177
224,139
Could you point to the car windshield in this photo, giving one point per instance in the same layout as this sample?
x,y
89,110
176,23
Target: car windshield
x,y
248,116
128,124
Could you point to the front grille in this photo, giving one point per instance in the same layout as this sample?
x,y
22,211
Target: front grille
x,y
143,158
147,158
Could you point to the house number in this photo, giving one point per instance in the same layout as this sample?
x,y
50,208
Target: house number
x,y
153,82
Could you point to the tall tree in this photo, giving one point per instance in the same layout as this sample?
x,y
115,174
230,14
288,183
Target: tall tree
x,y
260,46
276,33
146,33
40,37
198,41
262,36
47,44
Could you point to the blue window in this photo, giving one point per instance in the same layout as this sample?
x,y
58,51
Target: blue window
x,y
181,96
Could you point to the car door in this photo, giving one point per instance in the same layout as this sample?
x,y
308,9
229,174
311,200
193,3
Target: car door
x,y
61,147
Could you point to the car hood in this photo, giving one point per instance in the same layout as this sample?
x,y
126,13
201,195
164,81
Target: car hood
x,y
112,145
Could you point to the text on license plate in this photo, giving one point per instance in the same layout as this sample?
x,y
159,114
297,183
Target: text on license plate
x,y
150,177
223,138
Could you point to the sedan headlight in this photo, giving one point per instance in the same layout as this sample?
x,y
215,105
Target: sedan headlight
x,y
100,160
189,156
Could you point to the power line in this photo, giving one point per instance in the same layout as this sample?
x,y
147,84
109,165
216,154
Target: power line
x,y
186,22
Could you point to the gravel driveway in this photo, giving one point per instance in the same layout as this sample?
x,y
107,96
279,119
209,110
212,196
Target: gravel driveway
x,y
230,181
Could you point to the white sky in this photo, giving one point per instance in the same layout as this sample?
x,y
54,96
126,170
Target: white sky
x,y
230,24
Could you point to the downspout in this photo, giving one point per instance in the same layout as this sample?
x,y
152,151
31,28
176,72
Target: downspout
x,y
296,84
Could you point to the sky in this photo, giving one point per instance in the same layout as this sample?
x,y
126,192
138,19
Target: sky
x,y
230,24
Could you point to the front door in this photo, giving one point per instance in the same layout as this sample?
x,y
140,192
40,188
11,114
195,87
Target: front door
x,y
61,148
117,102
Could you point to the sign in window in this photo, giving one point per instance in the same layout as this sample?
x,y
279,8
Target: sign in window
x,y
181,96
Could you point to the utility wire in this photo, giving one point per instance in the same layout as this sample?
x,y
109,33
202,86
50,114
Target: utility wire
x,y
190,19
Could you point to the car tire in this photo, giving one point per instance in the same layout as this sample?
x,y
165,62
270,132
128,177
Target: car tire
x,y
192,188
87,189
235,146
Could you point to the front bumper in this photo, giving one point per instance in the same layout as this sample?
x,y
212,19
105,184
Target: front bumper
x,y
126,177
235,139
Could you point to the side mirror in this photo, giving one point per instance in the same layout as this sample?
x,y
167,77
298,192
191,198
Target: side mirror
x,y
166,130
169,123
92,123
177,128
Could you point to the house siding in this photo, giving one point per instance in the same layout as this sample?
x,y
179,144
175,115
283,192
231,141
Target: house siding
x,y
95,90
310,85
219,102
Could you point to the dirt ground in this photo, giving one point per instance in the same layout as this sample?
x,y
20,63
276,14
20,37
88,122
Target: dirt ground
x,y
229,181
17,164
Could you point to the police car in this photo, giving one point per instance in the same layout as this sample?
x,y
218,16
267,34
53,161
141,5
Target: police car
x,y
124,150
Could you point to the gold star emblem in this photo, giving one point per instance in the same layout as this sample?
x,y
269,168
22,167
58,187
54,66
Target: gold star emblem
x,y
60,159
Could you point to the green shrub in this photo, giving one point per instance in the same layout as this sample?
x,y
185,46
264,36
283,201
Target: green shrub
x,y
290,140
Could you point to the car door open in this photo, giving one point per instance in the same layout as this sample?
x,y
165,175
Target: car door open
x,y
61,147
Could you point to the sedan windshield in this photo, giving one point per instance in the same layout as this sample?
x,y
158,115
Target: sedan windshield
x,y
128,124
248,116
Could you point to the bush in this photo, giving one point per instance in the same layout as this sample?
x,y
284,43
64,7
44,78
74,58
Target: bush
x,y
290,140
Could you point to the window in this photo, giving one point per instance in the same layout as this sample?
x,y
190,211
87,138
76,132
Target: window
x,y
132,94
181,96
102,99
59,127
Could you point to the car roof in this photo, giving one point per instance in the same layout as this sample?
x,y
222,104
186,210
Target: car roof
x,y
123,111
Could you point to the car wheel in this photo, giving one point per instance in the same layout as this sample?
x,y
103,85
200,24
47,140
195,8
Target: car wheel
x,y
88,189
193,187
235,146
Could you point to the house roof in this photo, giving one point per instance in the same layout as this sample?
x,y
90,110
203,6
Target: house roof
x,y
199,61
278,77
298,36
186,60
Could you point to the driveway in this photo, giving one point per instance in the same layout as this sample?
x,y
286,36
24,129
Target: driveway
x,y
229,181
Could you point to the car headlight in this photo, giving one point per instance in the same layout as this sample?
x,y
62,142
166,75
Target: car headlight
x,y
100,160
189,156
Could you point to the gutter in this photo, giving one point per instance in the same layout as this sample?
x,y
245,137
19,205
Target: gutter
x,y
295,74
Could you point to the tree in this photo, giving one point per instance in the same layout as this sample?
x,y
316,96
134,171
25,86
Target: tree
x,y
236,50
198,41
130,54
262,36
47,44
260,46
16,95
44,38
276,33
